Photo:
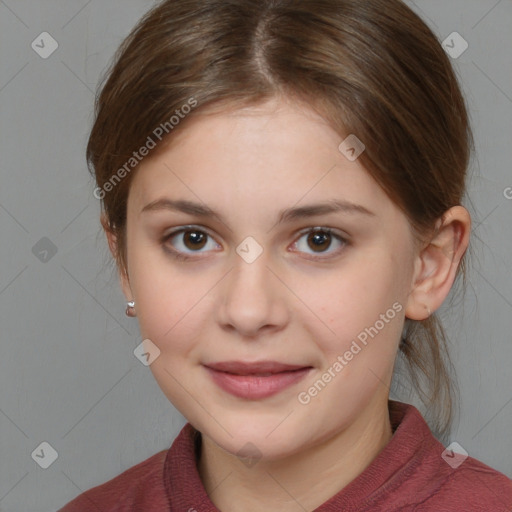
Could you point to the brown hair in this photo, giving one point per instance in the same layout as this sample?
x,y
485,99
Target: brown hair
x,y
370,68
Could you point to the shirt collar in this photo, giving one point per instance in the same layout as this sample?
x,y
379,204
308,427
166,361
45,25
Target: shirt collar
x,y
398,459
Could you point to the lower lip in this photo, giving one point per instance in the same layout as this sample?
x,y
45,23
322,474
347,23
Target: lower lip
x,y
255,387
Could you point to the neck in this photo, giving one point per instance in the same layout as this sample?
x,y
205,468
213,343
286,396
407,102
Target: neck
x,y
307,478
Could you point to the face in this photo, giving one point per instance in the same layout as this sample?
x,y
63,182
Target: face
x,y
324,293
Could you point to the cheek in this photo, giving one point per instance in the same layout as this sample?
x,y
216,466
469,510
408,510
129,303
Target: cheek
x,y
161,295
165,317
173,303
362,302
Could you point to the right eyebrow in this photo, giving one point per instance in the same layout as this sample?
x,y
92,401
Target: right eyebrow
x,y
286,215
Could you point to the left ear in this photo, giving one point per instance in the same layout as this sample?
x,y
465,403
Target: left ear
x,y
436,265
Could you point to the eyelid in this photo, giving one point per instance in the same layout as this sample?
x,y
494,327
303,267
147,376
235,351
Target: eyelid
x,y
311,229
327,229
303,231
183,228
344,239
186,227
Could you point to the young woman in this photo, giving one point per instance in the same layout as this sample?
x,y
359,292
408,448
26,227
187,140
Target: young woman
x,y
281,185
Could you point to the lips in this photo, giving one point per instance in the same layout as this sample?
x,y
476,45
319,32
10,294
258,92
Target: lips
x,y
262,368
256,380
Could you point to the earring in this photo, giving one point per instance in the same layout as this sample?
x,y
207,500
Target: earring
x,y
130,308
428,310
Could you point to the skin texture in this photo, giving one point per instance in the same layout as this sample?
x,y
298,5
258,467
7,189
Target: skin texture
x,y
248,165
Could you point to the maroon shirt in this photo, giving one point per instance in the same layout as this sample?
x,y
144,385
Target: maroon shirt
x,y
409,474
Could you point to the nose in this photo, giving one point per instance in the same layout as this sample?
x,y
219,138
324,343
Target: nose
x,y
252,299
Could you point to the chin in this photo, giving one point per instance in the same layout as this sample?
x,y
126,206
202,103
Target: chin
x,y
258,439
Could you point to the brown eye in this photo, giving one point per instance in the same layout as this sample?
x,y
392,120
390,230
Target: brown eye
x,y
194,239
319,241
185,242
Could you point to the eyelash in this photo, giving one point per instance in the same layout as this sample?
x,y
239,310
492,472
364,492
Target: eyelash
x,y
178,255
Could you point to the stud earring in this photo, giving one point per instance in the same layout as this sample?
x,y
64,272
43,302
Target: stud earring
x,y
428,310
130,308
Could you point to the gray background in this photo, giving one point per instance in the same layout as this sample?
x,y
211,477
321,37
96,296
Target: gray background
x,y
68,375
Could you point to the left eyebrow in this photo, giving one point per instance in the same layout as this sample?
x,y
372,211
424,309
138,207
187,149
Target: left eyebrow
x,y
287,215
332,206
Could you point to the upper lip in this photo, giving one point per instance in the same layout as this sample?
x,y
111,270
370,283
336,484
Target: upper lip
x,y
246,368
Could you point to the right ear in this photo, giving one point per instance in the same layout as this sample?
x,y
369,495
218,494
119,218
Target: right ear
x,y
112,245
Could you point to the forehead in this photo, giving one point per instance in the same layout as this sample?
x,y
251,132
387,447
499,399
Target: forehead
x,y
272,155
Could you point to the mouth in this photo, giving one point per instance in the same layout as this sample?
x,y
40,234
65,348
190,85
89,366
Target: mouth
x,y
255,380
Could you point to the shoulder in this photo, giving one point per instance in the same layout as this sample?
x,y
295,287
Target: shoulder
x,y
431,477
471,486
448,481
140,487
